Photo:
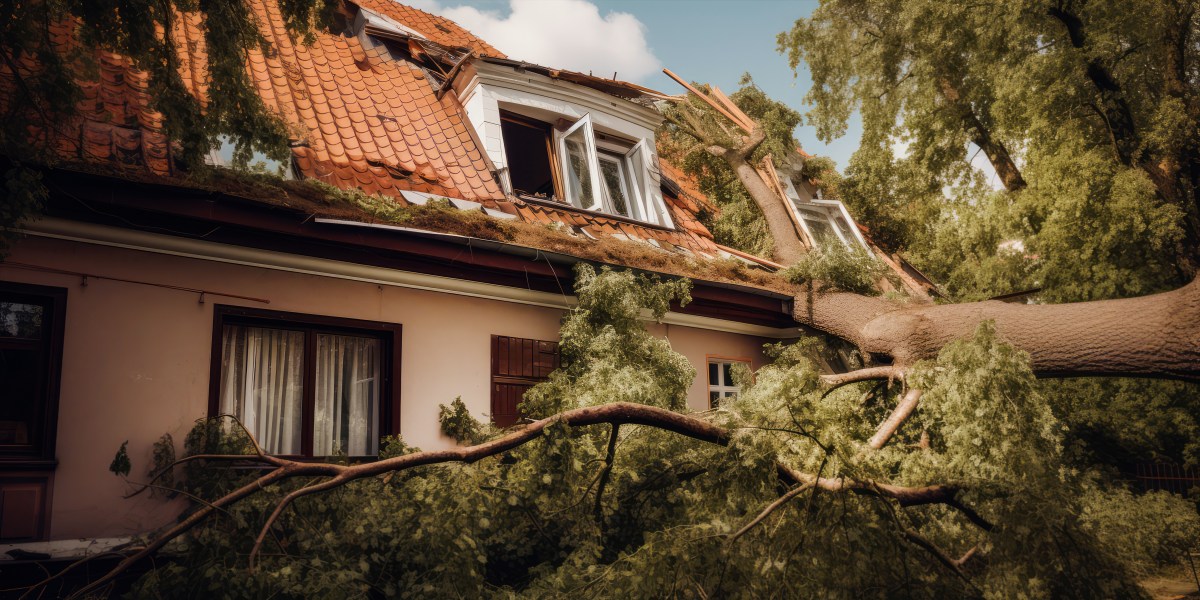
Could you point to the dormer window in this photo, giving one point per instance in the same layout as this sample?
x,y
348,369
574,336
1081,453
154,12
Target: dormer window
x,y
565,142
604,174
823,221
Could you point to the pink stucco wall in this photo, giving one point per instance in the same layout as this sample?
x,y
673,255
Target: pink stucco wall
x,y
136,359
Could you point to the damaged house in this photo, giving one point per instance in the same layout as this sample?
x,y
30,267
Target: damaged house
x,y
141,302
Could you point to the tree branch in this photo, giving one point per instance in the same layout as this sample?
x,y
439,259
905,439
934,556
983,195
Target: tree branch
x,y
890,425
598,511
837,380
784,499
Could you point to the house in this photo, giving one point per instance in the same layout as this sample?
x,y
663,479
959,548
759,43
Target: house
x,y
142,302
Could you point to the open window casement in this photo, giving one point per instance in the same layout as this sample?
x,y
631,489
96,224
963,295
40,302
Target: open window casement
x,y
644,165
580,165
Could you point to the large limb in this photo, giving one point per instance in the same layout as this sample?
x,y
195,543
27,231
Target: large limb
x,y
1149,336
615,414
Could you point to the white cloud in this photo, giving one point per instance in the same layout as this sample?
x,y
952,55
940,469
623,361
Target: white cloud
x,y
565,34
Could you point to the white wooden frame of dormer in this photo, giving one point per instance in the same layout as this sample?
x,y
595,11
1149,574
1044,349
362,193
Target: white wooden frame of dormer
x,y
636,175
578,142
836,206
828,211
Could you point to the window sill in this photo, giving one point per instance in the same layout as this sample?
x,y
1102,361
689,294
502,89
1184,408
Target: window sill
x,y
592,213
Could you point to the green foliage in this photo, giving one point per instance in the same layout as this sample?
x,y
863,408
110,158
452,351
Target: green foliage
x,y
608,355
161,466
834,267
932,79
1146,532
120,464
458,423
526,525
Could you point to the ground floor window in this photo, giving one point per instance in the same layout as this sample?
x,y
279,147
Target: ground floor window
x,y
32,326
517,365
720,379
307,385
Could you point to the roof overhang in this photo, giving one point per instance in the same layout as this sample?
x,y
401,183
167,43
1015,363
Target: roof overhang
x,y
107,210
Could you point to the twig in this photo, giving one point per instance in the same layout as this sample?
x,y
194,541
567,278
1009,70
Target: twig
x,y
598,511
784,499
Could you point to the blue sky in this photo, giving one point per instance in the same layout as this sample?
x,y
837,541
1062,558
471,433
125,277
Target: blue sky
x,y
712,41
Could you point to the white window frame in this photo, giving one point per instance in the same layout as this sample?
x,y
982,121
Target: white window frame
x,y
826,207
590,154
645,203
724,389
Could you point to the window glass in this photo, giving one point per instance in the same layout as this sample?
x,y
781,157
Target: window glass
x,y
346,419
638,160
19,376
262,383
720,381
579,173
613,172
20,320
818,224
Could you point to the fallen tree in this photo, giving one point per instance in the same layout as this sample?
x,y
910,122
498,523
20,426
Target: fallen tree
x,y
940,477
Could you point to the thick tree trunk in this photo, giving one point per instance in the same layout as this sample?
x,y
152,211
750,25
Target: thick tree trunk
x,y
788,246
1150,336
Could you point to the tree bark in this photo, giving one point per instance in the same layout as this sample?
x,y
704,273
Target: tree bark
x,y
1150,336
981,136
788,246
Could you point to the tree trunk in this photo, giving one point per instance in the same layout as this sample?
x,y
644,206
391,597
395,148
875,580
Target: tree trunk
x,y
1150,336
788,246
995,150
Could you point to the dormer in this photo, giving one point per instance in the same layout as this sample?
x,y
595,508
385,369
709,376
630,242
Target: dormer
x,y
821,220
554,136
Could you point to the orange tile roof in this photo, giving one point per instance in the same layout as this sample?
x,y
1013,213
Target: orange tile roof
x,y
360,118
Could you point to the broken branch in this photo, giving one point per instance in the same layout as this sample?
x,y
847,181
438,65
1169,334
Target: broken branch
x,y
903,411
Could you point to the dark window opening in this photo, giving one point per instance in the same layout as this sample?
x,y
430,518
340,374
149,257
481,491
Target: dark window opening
x,y
527,147
31,342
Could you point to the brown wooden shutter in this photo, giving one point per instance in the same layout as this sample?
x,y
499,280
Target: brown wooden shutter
x,y
517,365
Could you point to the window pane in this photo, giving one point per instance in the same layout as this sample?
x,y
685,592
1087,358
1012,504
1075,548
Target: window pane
x,y
727,368
818,224
713,377
714,398
844,228
579,173
614,184
346,416
637,157
19,377
18,320
262,383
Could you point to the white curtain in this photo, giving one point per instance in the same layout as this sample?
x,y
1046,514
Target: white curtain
x,y
346,419
262,382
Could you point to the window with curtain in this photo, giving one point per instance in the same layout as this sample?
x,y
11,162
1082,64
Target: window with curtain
x,y
306,389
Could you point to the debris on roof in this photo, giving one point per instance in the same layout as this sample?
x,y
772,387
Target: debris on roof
x,y
368,108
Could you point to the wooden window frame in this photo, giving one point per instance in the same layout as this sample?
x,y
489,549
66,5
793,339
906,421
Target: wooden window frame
x,y
495,378
40,455
390,354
